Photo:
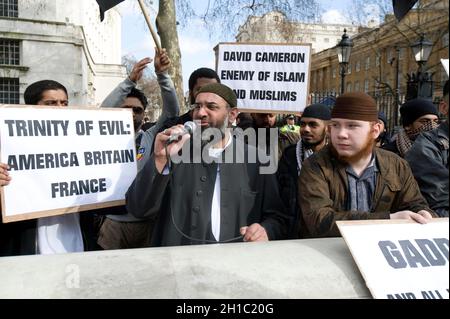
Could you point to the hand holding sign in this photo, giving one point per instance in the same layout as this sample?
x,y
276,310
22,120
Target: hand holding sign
x,y
4,175
421,217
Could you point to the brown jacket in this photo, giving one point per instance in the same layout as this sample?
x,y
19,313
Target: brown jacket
x,y
323,191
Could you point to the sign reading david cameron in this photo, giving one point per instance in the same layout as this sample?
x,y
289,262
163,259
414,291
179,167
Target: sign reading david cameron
x,y
266,77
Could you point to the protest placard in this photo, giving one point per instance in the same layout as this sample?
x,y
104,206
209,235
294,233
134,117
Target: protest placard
x,y
273,78
401,259
65,160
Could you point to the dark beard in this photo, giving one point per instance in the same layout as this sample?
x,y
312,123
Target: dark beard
x,y
312,145
208,139
137,126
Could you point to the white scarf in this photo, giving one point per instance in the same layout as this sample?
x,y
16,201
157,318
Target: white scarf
x,y
302,154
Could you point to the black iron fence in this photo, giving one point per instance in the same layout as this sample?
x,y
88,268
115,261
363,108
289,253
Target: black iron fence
x,y
386,103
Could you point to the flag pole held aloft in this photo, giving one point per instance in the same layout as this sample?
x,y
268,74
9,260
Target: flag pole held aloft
x,y
152,31
105,5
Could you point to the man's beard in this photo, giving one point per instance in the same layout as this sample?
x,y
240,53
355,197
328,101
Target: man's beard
x,y
137,125
209,138
307,144
364,152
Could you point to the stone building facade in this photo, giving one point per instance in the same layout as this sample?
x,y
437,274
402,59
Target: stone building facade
x,y
382,57
274,27
60,40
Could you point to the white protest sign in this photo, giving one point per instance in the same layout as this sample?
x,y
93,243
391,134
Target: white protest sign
x,y
401,259
266,77
65,160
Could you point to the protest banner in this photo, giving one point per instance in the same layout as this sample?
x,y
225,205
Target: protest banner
x,y
65,160
401,259
272,78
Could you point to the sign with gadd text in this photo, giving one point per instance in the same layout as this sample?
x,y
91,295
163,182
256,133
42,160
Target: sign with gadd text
x,y
401,259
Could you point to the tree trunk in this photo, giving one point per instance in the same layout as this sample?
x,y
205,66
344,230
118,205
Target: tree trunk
x,y
166,23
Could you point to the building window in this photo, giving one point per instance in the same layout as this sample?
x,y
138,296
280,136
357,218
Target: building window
x,y
357,86
368,63
349,87
9,52
401,53
9,8
445,40
366,86
377,60
313,39
327,40
358,66
389,55
9,91
334,73
349,68
276,18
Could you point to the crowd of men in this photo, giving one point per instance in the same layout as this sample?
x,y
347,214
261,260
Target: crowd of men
x,y
336,163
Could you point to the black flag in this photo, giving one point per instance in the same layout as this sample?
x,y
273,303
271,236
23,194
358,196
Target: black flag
x,y
106,5
401,7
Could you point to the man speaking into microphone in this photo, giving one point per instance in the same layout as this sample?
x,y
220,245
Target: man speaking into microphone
x,y
216,201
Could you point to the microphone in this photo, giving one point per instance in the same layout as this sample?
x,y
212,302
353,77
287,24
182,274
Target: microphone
x,y
189,128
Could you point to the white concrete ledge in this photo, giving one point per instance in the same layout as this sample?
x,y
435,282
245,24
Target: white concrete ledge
x,y
318,268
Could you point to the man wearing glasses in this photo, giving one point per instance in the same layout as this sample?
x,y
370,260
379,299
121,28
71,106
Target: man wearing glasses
x,y
137,101
221,198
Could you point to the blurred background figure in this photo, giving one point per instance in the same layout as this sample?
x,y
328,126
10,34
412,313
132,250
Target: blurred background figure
x,y
244,121
290,125
385,135
417,115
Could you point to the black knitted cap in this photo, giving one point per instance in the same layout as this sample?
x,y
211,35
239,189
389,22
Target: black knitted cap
x,y
318,111
413,109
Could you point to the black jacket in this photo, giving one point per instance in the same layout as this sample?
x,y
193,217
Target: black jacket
x,y
181,201
428,159
287,176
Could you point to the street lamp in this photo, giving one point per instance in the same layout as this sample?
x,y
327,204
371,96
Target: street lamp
x,y
422,50
420,84
344,48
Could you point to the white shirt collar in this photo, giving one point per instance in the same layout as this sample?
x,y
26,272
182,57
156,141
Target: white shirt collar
x,y
216,152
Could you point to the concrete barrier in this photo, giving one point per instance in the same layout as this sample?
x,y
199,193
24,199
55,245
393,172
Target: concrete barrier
x,y
316,268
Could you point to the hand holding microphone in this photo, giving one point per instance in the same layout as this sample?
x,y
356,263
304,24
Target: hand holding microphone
x,y
188,128
171,140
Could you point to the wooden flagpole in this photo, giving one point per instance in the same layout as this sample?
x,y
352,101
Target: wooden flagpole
x,y
152,31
